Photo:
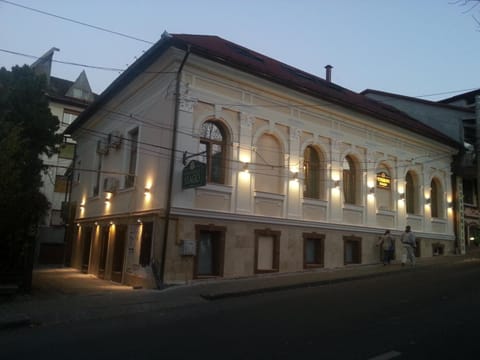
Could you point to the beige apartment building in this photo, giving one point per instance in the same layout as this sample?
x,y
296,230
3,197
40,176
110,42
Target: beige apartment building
x,y
206,159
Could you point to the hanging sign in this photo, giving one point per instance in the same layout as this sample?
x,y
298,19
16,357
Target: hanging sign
x,y
383,181
194,175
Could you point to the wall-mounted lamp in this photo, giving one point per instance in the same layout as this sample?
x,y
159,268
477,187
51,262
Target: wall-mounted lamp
x,y
371,190
95,223
295,176
146,191
111,223
139,221
82,206
78,224
245,167
401,196
450,204
336,184
428,201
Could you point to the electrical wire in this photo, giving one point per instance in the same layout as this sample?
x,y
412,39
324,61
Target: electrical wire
x,y
77,22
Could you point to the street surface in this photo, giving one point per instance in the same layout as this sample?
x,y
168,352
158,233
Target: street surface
x,y
421,313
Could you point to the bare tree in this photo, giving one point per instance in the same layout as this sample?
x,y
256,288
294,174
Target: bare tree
x,y
470,7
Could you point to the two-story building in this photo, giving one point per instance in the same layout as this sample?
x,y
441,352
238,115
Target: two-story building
x,y
207,159
67,99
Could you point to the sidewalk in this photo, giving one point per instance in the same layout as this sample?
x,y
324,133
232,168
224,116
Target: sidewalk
x,y
63,295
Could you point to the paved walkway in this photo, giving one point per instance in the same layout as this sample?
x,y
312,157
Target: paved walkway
x,y
64,294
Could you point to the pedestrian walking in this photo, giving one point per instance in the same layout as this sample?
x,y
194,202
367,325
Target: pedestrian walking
x,y
409,246
388,246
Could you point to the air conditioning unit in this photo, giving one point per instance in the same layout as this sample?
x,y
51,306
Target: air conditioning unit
x,y
110,184
102,147
115,139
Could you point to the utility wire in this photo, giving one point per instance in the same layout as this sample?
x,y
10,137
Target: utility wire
x,y
65,62
77,22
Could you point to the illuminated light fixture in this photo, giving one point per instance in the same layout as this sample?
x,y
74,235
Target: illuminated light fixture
x,y
401,196
471,238
111,223
336,184
146,191
371,190
139,221
82,206
78,224
428,201
450,204
245,167
95,223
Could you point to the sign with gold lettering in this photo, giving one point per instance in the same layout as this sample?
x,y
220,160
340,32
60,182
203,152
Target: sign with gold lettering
x,y
383,181
194,175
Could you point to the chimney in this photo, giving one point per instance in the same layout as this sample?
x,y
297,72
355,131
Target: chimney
x,y
328,73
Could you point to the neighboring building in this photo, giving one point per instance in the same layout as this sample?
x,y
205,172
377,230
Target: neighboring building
x,y
67,100
206,159
468,166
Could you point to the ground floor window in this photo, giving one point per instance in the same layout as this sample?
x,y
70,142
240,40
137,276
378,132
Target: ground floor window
x,y
210,251
352,250
313,250
267,252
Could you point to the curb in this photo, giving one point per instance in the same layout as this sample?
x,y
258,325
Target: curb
x,y
238,293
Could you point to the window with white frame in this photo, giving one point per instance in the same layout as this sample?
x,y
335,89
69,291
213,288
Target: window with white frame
x,y
132,148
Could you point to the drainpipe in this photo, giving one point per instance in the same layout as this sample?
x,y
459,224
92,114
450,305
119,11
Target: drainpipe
x,y
172,166
477,145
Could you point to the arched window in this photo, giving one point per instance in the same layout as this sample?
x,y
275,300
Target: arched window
x,y
350,180
411,195
436,198
213,144
313,173
383,191
269,165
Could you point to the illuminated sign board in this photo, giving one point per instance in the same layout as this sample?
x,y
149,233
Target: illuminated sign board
x,y
383,181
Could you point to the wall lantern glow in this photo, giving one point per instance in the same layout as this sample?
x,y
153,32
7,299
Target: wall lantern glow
x,y
95,223
371,190
82,206
336,184
112,223
428,201
401,196
146,191
245,167
139,221
450,204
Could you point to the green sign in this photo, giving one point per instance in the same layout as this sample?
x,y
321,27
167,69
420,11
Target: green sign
x,y
194,175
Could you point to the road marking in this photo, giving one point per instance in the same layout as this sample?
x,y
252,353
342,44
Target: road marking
x,y
386,356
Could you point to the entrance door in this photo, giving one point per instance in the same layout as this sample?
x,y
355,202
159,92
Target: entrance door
x,y
119,252
87,242
103,251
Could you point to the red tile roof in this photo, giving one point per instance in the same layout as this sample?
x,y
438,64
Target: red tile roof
x,y
230,54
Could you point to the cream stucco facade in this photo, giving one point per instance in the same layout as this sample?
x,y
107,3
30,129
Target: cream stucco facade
x,y
266,213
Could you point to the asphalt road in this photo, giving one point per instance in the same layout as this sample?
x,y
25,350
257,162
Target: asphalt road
x,y
425,313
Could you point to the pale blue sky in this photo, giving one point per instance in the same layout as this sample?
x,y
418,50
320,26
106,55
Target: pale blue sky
x,y
410,47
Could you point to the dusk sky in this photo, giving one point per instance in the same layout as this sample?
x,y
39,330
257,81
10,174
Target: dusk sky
x,y
409,47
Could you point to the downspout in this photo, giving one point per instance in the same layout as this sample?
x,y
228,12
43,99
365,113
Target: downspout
x,y
172,166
